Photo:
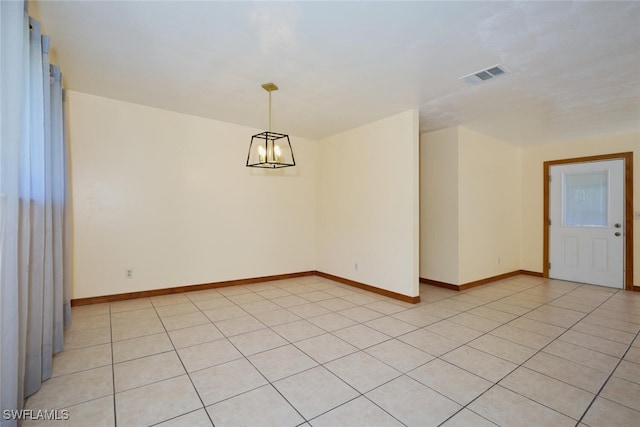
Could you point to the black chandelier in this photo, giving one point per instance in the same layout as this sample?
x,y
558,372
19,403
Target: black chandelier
x,y
269,149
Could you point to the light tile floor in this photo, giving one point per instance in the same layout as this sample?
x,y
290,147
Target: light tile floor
x,y
524,351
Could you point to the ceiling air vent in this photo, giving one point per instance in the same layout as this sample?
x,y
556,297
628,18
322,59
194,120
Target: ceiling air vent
x,y
484,75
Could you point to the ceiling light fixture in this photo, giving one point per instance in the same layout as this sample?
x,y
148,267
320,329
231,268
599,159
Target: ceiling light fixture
x,y
269,149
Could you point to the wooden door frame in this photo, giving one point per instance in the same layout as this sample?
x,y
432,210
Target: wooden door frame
x,y
628,201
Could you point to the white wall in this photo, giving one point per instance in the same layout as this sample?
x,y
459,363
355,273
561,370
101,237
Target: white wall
x,y
532,189
439,232
368,204
168,195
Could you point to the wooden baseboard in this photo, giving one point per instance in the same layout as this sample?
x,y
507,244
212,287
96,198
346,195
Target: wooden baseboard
x,y
187,288
214,285
248,281
439,284
480,282
531,273
380,291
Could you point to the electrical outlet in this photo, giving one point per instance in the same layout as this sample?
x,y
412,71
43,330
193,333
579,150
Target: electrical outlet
x,y
355,266
499,260
129,273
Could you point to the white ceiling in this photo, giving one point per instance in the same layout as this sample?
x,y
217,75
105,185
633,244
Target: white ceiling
x,y
575,65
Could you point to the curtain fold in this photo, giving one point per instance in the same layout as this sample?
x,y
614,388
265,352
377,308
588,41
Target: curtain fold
x,y
34,210
13,30
60,196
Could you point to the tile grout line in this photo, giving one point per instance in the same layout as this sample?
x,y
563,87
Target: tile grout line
x,y
604,384
466,406
111,342
113,371
391,338
435,357
184,367
483,334
166,332
533,355
257,370
358,350
468,310
249,361
204,407
585,315
418,328
308,369
305,370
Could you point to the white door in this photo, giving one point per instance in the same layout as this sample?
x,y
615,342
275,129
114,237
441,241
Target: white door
x,y
586,231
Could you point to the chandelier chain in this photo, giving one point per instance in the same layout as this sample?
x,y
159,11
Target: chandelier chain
x,y
269,111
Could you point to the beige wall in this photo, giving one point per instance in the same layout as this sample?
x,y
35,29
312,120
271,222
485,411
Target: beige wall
x,y
34,12
470,198
498,202
532,189
439,234
368,204
489,174
168,195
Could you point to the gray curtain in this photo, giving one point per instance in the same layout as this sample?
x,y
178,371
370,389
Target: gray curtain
x,y
34,215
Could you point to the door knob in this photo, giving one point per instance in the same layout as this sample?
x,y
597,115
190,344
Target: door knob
x,y
618,225
618,233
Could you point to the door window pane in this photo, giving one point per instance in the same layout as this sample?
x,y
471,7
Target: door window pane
x,y
586,199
